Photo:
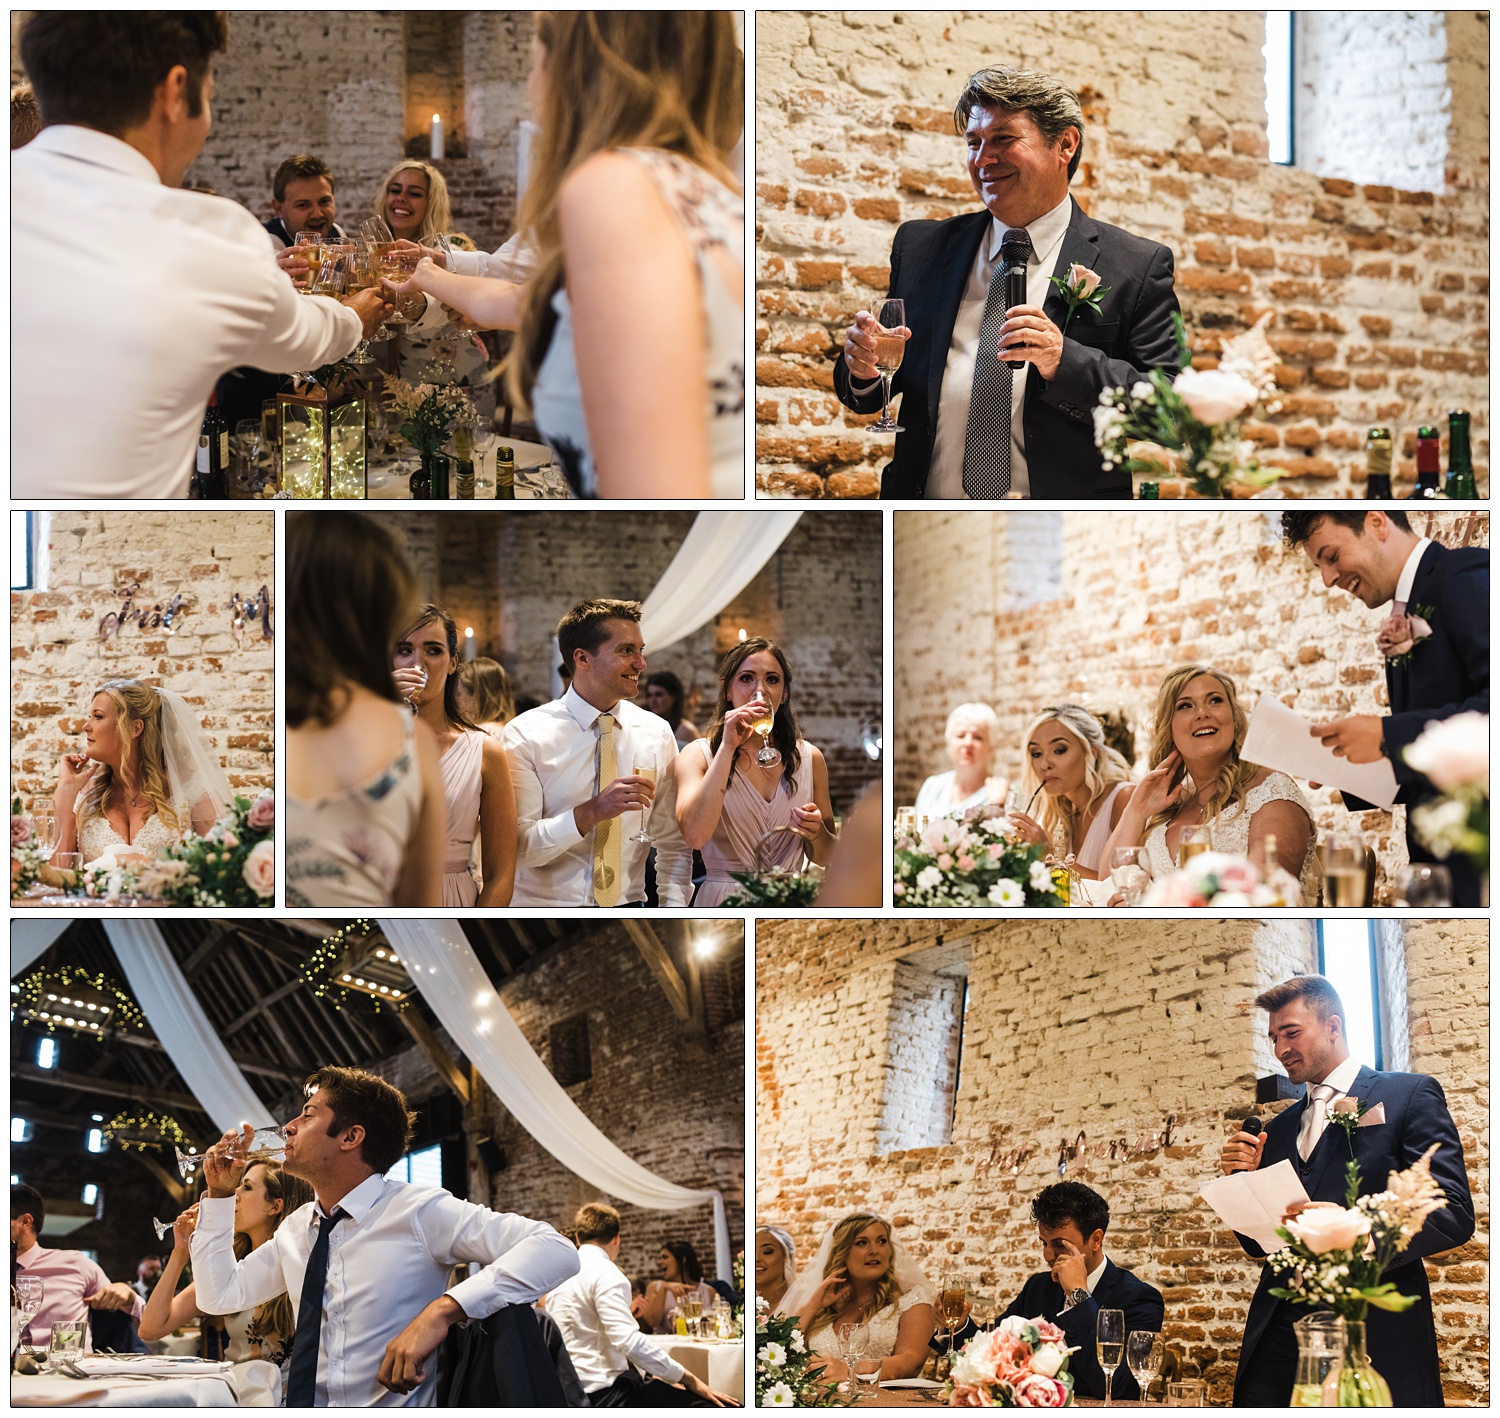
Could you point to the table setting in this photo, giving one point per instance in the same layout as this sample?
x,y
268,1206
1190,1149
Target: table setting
x,y
122,1381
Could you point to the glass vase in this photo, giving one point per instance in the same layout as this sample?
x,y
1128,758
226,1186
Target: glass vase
x,y
1359,1384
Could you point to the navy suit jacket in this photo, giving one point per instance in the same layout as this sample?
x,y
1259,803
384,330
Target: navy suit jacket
x,y
1130,335
1445,675
1403,1347
1042,1297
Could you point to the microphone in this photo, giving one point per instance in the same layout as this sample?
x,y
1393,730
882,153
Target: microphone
x,y
1252,1126
1015,251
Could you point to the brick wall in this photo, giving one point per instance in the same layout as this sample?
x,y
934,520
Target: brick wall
x,y
1138,595
57,658
1381,294
1068,1032
513,575
676,1106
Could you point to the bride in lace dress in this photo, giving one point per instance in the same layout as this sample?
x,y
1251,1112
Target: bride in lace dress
x,y
862,1276
145,779
1201,778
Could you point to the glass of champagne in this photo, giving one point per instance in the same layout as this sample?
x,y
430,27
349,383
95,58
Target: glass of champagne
x,y
263,1145
1111,1336
309,245
768,756
1194,840
1143,1357
952,1301
461,326
1343,869
644,766
890,348
1129,872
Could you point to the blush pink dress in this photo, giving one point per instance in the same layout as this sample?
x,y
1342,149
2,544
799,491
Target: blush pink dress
x,y
463,769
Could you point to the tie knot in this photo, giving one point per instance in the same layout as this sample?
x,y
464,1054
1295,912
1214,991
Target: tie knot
x,y
605,722
1323,1092
333,1218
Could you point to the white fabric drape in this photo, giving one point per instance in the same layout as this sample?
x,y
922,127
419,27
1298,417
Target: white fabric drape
x,y
718,558
182,1028
443,966
29,941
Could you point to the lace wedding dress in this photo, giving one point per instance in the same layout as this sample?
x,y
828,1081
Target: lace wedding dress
x,y
98,837
1231,833
883,1326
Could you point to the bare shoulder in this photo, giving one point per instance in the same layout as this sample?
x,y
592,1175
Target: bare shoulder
x,y
601,183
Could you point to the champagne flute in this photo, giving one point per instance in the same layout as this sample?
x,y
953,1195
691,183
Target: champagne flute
x,y
461,326
44,832
644,766
1129,871
951,1301
1194,840
768,756
1343,869
161,1227
263,1145
1143,1357
851,1338
890,349
1110,1333
310,245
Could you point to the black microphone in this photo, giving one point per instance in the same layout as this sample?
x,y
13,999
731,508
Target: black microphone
x,y
1252,1126
1015,251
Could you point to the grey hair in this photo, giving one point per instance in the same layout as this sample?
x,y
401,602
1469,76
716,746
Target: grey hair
x,y
975,713
1053,107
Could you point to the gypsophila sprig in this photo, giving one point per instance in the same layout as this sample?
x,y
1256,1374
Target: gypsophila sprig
x,y
430,412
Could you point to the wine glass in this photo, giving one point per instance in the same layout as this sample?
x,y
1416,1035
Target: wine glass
x,y
952,1301
1143,1357
461,326
263,1145
1343,869
1111,1336
29,1291
1424,884
1129,872
161,1227
310,245
889,350
851,1340
1194,840
486,439
762,724
44,832
645,767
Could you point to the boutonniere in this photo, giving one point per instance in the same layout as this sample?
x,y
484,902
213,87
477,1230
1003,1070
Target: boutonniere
x,y
1350,1113
1401,634
1080,287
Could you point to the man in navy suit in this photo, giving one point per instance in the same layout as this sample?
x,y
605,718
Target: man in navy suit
x,y
1081,1280
1024,132
1307,1032
1377,558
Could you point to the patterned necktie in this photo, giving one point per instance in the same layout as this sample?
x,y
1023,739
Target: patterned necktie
x,y
302,1372
987,441
607,833
1319,1097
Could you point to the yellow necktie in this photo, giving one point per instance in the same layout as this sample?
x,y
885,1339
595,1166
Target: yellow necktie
x,y
607,833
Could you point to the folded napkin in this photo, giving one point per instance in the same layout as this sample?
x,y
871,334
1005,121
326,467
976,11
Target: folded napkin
x,y
174,1366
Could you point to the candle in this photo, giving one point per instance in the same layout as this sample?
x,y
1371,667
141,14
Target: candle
x,y
468,643
437,138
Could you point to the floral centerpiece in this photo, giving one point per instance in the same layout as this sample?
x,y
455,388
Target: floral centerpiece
x,y
1455,755
786,1375
430,412
1018,1364
1217,879
974,861
232,864
1334,1258
1190,426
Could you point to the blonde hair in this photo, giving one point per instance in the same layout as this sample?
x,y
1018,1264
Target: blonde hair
x,y
668,79
887,1291
1235,776
980,715
142,757
1103,768
439,216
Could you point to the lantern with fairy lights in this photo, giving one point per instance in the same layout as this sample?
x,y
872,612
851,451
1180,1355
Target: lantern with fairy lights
x,y
358,960
324,451
73,998
145,1128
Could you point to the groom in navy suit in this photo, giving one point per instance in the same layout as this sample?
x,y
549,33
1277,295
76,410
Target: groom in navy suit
x,y
1377,558
964,414
1307,1032
1081,1280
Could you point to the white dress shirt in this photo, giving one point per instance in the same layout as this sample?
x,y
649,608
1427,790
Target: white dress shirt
x,y
593,1312
387,1261
945,475
128,301
514,261
1314,1120
554,766
1409,571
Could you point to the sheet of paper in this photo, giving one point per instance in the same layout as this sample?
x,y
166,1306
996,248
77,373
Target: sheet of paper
x,y
1253,1203
1281,738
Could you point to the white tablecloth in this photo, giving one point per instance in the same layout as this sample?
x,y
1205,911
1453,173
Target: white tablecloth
x,y
122,1393
720,1366
535,475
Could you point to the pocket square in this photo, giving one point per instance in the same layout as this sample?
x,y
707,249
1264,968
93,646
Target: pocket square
x,y
1373,1117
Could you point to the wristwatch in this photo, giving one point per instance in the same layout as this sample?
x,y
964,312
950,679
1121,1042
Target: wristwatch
x,y
1078,1296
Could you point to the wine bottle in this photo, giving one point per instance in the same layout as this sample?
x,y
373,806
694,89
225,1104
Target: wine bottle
x,y
1378,465
463,481
505,474
1460,482
1428,458
441,464
212,460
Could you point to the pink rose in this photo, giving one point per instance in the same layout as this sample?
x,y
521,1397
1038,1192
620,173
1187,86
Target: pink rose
x,y
944,861
262,813
20,830
1049,1332
1037,1391
1213,396
260,869
995,851
1238,875
966,1397
1453,752
1396,636
966,863
231,841
1082,280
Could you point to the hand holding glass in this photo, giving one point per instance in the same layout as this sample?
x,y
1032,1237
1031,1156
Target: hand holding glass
x,y
890,349
645,767
762,724
263,1145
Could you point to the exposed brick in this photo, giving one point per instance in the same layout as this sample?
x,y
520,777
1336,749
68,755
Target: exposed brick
x,y
819,204
878,209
